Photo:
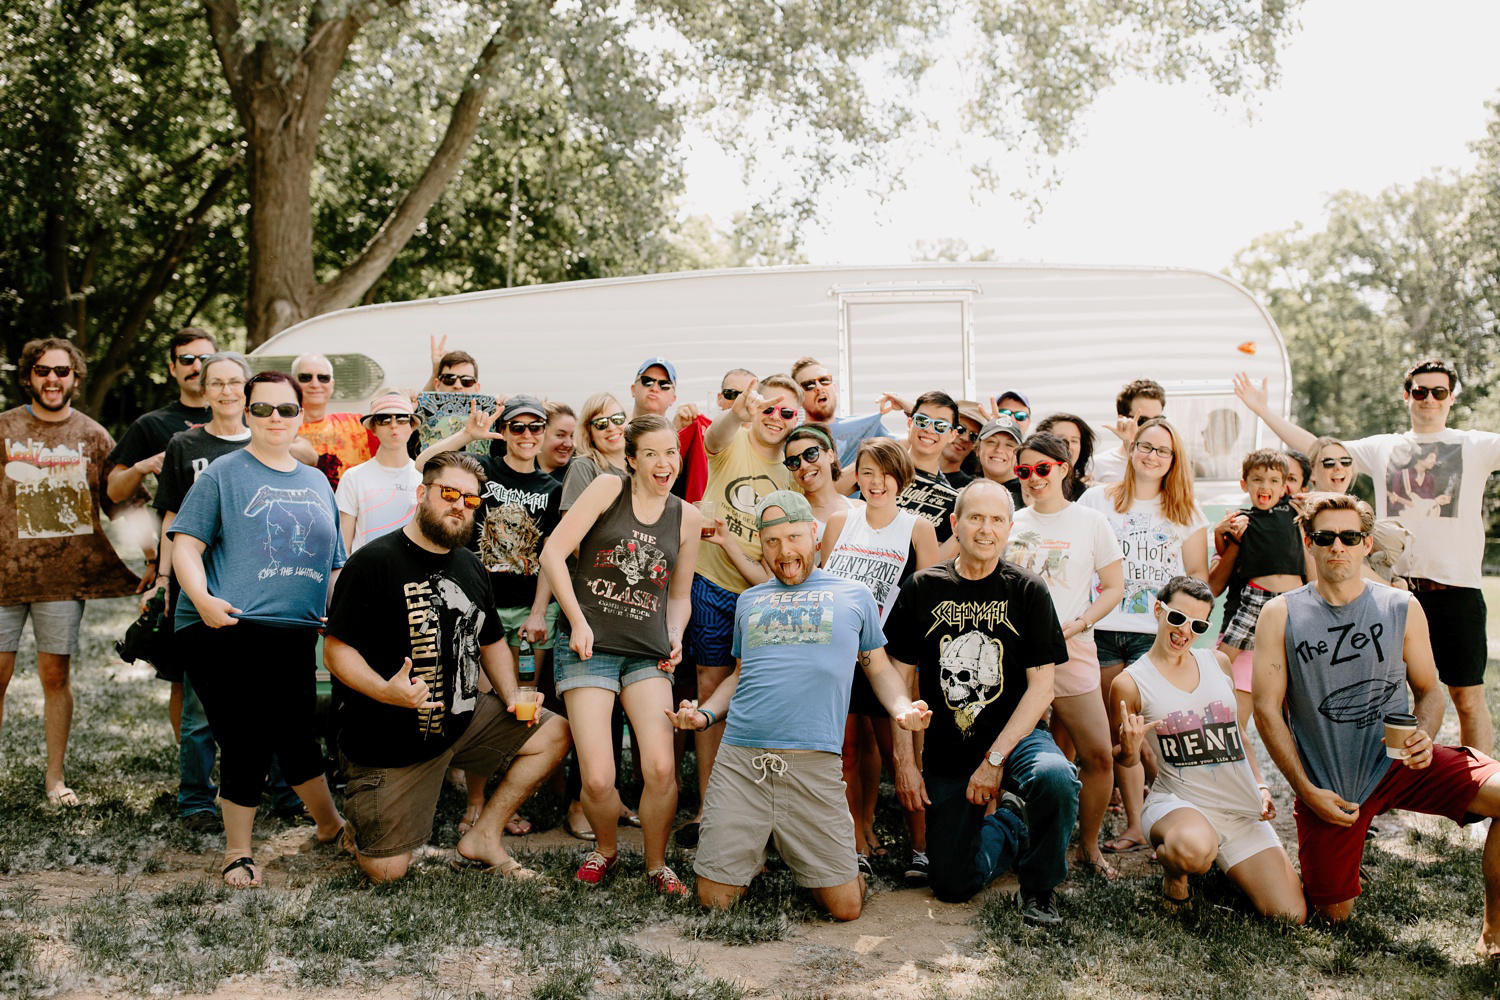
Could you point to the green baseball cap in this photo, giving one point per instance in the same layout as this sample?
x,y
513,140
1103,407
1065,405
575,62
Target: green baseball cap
x,y
794,507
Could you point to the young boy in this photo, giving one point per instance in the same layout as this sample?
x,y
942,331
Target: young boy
x,y
378,496
1260,555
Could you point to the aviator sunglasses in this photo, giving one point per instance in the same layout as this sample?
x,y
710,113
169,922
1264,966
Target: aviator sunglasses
x,y
601,422
664,384
1177,619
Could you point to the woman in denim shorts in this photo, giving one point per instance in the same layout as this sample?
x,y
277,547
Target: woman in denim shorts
x,y
625,603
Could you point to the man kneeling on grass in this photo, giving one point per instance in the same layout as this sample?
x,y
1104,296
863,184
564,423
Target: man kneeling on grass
x,y
410,627
779,772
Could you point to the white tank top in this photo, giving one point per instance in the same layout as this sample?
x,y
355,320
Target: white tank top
x,y
823,525
1198,745
875,557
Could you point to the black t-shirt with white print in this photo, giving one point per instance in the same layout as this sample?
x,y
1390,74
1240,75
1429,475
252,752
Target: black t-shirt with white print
x,y
931,497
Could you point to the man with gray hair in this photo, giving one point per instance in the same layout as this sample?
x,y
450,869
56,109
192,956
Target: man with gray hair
x,y
341,440
779,772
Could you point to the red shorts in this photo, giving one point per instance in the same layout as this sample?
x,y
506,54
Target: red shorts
x,y
1330,855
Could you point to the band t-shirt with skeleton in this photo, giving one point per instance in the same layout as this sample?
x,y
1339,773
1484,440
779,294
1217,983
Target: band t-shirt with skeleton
x,y
518,515
272,540
972,642
396,600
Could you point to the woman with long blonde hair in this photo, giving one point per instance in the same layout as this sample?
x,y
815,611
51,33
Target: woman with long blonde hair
x,y
1162,533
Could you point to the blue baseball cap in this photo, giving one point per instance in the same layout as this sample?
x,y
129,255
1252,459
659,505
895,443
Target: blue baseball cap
x,y
662,363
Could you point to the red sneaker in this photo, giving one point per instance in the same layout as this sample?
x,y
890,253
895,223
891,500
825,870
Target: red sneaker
x,y
665,880
595,867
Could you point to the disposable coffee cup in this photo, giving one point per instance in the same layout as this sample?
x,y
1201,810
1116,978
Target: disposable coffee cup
x,y
1399,727
526,699
710,511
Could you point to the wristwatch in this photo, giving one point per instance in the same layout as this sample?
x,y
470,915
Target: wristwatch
x,y
996,758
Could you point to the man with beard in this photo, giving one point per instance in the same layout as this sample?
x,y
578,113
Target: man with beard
x,y
779,772
409,629
53,553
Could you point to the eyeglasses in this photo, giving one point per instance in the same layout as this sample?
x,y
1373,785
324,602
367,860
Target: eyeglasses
x,y
280,409
787,413
306,377
383,419
219,385
923,420
794,462
187,359
464,380
453,495
1042,469
731,394
1177,619
1019,416
60,371
1351,538
664,384
1146,449
1329,463
822,380
1439,393
599,423
522,426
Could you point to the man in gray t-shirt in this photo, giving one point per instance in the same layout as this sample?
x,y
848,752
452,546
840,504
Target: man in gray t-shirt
x,y
1338,654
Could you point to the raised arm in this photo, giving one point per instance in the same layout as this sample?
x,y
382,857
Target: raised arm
x,y
476,428
1254,396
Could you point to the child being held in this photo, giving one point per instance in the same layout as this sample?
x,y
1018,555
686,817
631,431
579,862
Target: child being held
x,y
1260,555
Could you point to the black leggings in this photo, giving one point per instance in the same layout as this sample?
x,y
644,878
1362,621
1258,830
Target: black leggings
x,y
258,688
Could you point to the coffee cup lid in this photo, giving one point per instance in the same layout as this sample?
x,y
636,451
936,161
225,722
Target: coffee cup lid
x,y
1400,719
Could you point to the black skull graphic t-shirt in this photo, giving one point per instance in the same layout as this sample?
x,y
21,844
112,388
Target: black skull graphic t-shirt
x,y
972,642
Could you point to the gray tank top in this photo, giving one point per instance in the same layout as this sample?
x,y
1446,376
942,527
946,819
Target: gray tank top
x,y
1345,671
621,578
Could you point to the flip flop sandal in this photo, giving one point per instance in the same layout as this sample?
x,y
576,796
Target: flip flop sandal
x,y
1132,846
631,818
518,826
1176,906
509,868
1098,869
62,797
244,863
465,823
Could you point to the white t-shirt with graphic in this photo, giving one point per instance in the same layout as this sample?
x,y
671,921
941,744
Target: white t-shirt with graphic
x,y
1433,484
1065,549
1152,547
381,498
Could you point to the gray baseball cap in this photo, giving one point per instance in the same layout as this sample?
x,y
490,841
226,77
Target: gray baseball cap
x,y
1001,425
794,507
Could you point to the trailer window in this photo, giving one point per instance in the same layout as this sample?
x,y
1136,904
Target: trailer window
x,y
904,347
355,376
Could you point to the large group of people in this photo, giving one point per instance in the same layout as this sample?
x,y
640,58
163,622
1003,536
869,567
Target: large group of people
x,y
1004,610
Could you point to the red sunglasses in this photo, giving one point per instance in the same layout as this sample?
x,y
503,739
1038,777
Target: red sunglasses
x,y
1042,469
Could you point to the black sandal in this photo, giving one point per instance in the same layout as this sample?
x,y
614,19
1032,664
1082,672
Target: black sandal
x,y
245,863
1175,906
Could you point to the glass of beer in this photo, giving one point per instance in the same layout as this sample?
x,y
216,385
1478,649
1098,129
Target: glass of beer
x,y
710,511
526,702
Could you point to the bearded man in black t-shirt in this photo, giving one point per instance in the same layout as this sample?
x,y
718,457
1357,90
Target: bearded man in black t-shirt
x,y
995,787
409,630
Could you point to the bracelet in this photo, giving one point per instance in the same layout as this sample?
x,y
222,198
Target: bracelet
x,y
712,719
1087,625
1262,785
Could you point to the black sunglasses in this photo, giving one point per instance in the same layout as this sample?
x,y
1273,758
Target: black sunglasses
x,y
599,423
664,384
452,495
1177,619
187,359
282,409
1329,463
464,380
794,462
786,412
731,394
522,426
60,371
1419,393
923,420
306,377
1042,469
381,419
971,435
822,380
1351,538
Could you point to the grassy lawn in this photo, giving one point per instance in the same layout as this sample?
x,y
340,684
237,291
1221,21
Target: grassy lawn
x,y
116,898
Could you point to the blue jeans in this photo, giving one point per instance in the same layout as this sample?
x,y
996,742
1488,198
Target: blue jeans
x,y
196,790
967,850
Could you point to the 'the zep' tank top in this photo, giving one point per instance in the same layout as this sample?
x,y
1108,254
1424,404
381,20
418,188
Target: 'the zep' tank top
x,y
876,557
621,579
1199,752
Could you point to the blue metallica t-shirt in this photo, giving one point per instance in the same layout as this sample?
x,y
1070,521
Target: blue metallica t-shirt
x,y
797,648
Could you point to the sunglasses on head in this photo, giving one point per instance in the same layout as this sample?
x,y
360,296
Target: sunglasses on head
x,y
794,462
787,412
1177,619
1042,469
453,495
306,377
464,380
522,426
1329,463
664,384
601,422
187,359
923,420
401,419
1351,538
60,371
1439,393
1019,416
822,380
731,394
287,410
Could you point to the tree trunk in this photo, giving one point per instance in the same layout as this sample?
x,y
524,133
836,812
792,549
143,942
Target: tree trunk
x,y
279,166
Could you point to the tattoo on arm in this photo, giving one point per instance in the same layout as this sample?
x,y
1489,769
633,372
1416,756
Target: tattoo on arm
x,y
864,659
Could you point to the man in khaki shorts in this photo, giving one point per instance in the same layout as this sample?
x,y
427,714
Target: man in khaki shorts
x,y
410,627
779,773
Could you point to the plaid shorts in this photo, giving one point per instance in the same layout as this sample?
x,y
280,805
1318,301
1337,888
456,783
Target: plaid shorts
x,y
1240,632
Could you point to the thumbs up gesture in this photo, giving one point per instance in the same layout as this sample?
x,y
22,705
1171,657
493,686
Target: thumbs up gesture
x,y
405,691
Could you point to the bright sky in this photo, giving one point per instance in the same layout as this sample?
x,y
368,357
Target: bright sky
x,y
1373,93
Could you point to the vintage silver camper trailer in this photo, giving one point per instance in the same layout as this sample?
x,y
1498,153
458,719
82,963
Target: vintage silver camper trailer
x,y
1067,336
